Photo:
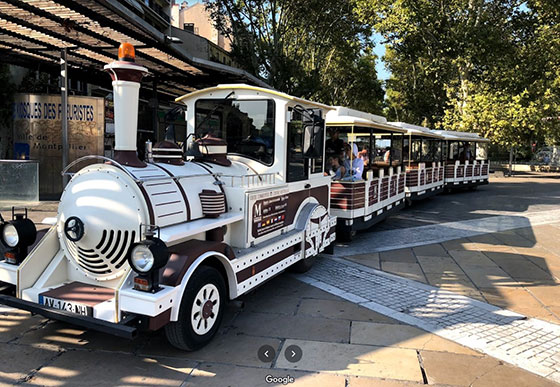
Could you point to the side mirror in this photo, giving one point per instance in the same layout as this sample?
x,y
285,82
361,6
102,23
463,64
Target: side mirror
x,y
313,135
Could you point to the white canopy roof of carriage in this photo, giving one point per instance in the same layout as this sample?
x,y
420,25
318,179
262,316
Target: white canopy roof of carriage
x,y
257,90
416,130
460,136
343,116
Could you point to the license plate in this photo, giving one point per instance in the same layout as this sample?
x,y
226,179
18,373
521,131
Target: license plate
x,y
69,306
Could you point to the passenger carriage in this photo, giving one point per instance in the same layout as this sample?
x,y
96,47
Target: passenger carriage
x,y
423,161
361,200
165,242
466,159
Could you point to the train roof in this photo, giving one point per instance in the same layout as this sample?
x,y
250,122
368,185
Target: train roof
x,y
416,130
256,89
343,116
461,136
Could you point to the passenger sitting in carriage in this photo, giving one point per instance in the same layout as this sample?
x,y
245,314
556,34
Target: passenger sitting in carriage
x,y
353,164
335,168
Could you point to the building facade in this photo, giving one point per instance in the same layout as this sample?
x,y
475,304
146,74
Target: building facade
x,y
196,19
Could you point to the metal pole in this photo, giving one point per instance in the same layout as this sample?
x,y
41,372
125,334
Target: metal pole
x,y
64,118
155,118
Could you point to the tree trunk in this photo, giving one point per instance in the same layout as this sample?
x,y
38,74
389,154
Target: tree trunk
x,y
510,161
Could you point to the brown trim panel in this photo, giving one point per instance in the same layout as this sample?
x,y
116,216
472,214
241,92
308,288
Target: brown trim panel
x,y
265,264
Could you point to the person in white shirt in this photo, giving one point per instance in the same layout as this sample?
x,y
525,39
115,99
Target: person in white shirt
x,y
353,164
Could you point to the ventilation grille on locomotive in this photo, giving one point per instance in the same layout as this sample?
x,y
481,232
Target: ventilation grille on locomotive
x,y
108,256
213,203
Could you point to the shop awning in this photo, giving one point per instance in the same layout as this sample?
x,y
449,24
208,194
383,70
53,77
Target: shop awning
x,y
91,30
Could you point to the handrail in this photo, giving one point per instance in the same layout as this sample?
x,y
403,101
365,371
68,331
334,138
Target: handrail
x,y
175,178
95,157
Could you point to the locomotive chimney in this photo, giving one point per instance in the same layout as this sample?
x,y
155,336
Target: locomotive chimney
x,y
126,76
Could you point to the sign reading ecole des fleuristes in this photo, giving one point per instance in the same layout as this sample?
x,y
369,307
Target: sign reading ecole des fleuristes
x,y
38,133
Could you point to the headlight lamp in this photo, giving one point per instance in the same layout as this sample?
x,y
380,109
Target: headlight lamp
x,y
19,232
148,255
141,258
146,258
10,235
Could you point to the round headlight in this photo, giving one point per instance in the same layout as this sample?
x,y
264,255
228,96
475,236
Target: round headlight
x,y
10,235
141,258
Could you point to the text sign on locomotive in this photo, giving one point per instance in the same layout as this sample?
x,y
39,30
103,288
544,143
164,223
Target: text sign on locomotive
x,y
268,211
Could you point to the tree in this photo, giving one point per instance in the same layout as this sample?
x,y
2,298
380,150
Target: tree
x,y
438,48
313,49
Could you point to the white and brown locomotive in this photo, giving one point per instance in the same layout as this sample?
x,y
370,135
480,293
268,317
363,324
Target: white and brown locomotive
x,y
166,242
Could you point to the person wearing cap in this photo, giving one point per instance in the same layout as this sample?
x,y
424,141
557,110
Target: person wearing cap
x,y
334,145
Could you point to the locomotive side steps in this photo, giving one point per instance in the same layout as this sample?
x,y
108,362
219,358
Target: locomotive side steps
x,y
121,329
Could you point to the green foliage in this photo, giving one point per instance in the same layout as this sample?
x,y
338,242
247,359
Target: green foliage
x,y
310,48
475,65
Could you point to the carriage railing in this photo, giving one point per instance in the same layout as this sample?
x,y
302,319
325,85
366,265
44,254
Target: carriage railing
x,y
354,195
421,176
467,170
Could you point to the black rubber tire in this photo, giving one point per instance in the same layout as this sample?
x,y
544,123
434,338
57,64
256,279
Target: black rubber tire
x,y
303,265
344,233
180,333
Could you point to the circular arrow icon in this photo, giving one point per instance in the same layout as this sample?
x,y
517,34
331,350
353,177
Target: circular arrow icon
x,y
266,353
293,353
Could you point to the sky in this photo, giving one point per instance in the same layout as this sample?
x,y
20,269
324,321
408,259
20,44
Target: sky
x,y
379,50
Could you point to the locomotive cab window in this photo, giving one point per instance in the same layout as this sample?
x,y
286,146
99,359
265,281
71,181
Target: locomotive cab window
x,y
306,142
246,125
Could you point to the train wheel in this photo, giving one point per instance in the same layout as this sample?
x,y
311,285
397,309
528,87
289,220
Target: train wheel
x,y
201,313
345,234
303,265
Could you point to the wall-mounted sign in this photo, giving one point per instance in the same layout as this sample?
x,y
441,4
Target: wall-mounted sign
x,y
38,133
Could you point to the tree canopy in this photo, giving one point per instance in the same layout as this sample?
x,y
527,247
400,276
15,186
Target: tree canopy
x,y
488,66
318,49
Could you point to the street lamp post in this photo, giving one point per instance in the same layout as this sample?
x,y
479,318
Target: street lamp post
x,y
64,118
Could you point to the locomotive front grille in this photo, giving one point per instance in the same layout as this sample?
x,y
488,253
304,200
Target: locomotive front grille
x,y
107,257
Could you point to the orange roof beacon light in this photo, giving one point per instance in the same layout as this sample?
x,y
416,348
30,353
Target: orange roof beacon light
x,y
126,52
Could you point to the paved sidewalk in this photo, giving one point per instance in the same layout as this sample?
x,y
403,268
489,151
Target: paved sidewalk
x,y
344,342
517,269
531,344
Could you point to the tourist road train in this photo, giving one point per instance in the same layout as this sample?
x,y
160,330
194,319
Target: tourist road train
x,y
264,182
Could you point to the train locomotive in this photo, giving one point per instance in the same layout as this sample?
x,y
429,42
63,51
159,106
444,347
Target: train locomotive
x,y
165,242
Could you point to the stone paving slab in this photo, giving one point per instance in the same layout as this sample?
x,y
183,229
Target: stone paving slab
x,y
531,344
438,233
360,360
213,375
17,362
77,368
228,348
460,370
403,336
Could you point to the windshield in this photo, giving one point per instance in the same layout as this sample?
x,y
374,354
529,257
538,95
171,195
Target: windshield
x,y
247,126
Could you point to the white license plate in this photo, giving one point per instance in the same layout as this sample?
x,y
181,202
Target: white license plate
x,y
69,306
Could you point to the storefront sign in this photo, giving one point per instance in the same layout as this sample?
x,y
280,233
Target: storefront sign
x,y
38,133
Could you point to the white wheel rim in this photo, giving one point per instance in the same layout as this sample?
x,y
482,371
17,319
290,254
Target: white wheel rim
x,y
205,309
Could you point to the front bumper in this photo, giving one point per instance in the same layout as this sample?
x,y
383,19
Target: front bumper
x,y
123,329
